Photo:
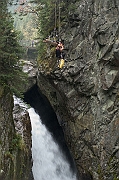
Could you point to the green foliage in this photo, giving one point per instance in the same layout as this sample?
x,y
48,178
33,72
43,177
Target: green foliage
x,y
51,16
10,51
8,155
17,143
46,18
48,22
71,8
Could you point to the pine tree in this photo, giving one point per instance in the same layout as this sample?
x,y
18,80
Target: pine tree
x,y
10,70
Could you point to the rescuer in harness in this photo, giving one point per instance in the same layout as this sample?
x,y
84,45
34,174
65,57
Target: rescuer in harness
x,y
59,51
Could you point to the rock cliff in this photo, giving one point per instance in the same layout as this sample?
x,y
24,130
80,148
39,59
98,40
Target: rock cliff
x,y
85,92
15,140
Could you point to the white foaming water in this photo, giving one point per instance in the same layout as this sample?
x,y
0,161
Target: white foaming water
x,y
48,161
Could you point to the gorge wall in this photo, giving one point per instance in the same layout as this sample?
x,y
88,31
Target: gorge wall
x,y
15,139
85,92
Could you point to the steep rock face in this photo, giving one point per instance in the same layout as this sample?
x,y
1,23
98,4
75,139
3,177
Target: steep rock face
x,y
30,69
15,150
23,129
85,93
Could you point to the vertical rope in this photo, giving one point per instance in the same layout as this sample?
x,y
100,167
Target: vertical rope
x,y
55,22
55,14
57,9
59,20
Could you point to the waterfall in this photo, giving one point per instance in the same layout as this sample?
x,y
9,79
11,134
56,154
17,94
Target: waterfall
x,y
48,117
48,161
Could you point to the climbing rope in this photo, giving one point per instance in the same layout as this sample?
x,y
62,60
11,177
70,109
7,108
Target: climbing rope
x,y
59,25
57,22
55,15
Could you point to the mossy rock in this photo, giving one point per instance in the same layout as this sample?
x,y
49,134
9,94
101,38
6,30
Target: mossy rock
x,y
1,91
48,63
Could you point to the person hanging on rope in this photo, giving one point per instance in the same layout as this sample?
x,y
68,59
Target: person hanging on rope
x,y
60,54
59,45
59,48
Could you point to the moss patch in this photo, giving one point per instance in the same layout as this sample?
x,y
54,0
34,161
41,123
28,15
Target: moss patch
x,y
48,62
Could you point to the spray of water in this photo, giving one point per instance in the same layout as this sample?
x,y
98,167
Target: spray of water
x,y
48,161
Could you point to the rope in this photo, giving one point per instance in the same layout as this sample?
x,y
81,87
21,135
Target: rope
x,y
55,15
59,20
55,22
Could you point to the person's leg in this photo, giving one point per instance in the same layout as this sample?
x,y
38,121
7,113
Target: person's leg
x,y
62,55
58,53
